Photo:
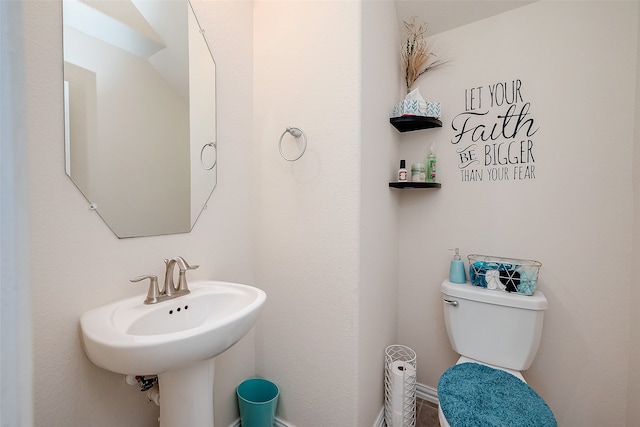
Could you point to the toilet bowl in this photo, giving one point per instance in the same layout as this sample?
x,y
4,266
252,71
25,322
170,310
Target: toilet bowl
x,y
497,335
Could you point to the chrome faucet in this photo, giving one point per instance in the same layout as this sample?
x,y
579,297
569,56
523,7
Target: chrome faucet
x,y
154,295
170,289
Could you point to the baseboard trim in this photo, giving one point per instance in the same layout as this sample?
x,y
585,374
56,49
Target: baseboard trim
x,y
427,393
423,392
280,423
277,423
380,420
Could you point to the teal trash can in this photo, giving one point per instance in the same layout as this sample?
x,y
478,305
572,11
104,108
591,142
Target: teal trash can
x,y
257,401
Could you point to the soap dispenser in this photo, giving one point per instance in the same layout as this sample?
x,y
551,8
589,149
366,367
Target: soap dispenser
x,y
457,273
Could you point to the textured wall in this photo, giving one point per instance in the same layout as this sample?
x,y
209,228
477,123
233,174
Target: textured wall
x,y
308,227
576,62
633,394
307,75
76,262
378,308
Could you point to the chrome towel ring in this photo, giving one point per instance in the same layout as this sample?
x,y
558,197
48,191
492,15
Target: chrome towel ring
x,y
297,133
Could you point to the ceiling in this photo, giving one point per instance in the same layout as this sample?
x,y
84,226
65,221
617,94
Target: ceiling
x,y
443,15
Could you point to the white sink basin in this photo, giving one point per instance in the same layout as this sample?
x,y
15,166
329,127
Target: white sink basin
x,y
129,337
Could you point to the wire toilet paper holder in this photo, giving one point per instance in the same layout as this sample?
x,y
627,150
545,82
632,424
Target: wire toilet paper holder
x,y
400,386
296,133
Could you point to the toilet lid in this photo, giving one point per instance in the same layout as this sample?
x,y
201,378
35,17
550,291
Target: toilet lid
x,y
472,394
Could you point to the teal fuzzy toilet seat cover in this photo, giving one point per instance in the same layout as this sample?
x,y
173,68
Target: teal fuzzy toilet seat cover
x,y
472,395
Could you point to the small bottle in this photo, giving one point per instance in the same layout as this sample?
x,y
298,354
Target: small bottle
x,y
457,273
402,172
417,172
431,165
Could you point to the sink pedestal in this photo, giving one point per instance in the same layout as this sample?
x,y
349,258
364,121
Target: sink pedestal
x,y
186,395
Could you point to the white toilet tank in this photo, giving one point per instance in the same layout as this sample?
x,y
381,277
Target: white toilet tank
x,y
494,327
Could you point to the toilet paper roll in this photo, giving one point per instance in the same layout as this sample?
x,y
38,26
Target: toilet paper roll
x,y
397,419
403,376
401,372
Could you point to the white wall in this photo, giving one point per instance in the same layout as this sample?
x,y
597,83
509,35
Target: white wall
x,y
327,223
633,393
307,74
306,231
378,290
76,263
576,61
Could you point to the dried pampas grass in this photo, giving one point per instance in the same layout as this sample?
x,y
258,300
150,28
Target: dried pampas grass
x,y
416,54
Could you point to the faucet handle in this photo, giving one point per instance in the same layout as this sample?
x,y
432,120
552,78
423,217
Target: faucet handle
x,y
184,265
154,292
182,276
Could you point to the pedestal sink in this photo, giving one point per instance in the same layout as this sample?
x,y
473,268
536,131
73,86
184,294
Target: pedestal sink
x,y
176,339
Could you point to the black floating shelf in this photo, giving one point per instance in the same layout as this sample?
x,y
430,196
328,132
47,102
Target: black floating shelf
x,y
415,185
410,123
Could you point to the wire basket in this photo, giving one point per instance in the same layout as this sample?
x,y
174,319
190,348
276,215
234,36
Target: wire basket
x,y
504,274
400,386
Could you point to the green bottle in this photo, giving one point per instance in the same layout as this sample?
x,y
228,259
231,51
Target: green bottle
x,y
431,165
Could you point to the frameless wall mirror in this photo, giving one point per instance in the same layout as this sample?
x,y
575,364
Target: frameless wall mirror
x,y
140,113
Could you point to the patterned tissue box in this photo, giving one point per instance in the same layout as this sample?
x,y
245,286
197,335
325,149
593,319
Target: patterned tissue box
x,y
413,107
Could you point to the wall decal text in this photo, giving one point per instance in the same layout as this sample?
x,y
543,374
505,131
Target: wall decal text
x,y
494,135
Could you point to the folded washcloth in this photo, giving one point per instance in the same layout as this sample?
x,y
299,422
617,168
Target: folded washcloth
x,y
493,279
510,279
528,280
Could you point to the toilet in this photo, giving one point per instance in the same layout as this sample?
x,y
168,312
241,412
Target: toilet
x,y
497,335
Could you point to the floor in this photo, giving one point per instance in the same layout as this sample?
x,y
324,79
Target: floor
x,y
426,414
